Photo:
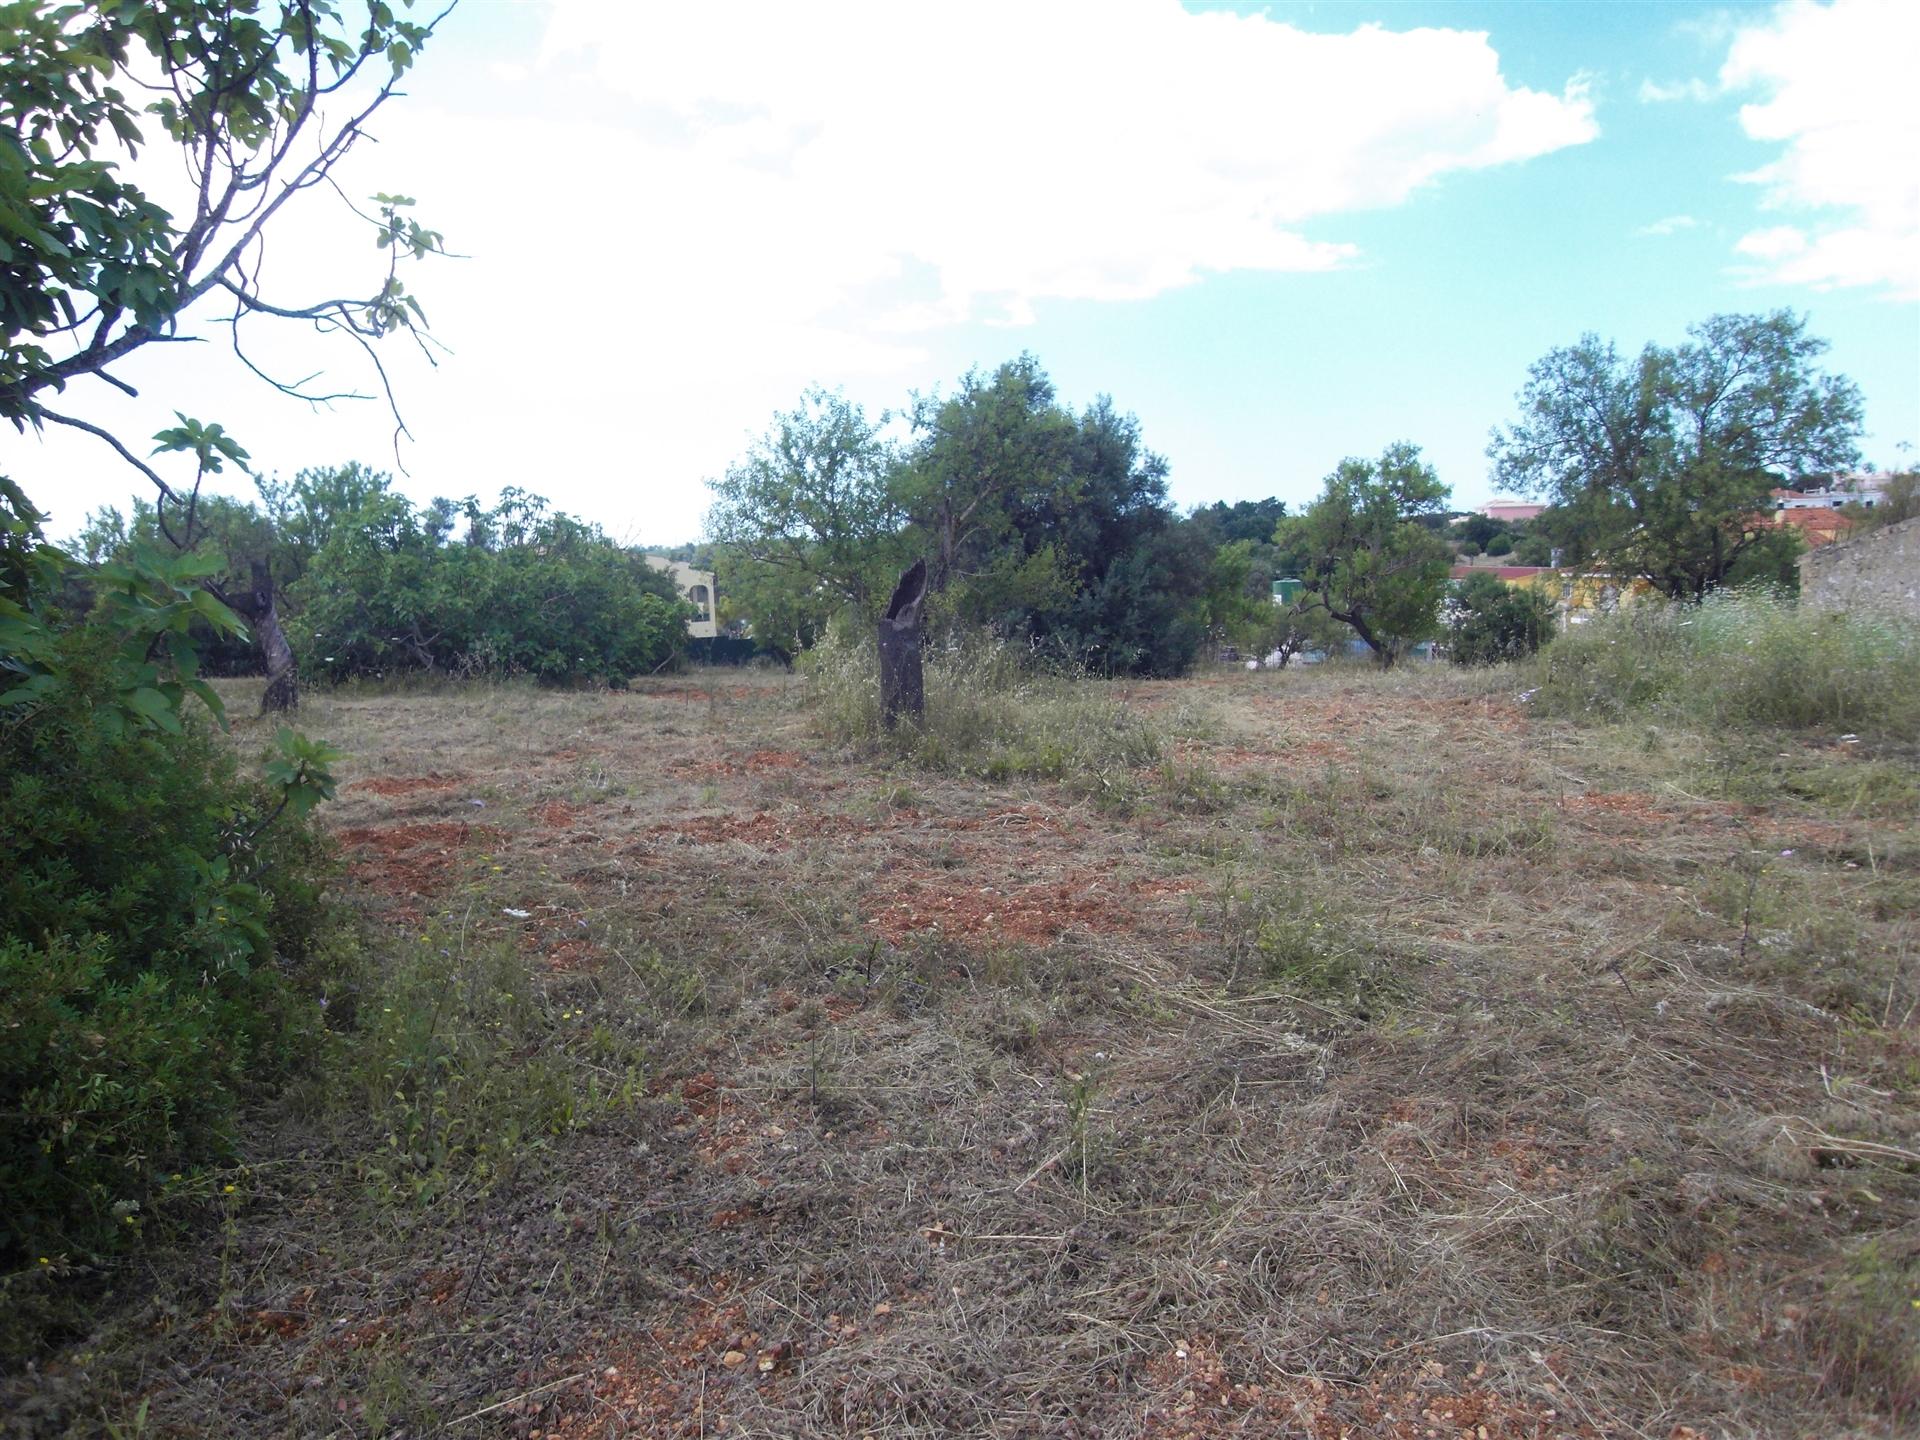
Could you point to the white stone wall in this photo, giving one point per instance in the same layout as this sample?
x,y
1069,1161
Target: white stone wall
x,y
1878,571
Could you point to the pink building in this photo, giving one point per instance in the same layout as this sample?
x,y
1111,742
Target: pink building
x,y
1510,510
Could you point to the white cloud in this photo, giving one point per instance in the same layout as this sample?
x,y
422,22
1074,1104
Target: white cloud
x,y
1668,225
679,215
1774,245
1836,81
1085,151
1655,92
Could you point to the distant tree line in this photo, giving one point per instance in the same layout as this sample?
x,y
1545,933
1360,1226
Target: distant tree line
x,y
1052,528
371,584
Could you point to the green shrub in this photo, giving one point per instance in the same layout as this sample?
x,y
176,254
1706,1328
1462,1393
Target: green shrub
x,y
1740,660
144,916
991,711
1490,621
530,593
1533,550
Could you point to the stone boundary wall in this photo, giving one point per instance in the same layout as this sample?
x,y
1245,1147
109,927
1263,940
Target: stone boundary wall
x,y
1879,571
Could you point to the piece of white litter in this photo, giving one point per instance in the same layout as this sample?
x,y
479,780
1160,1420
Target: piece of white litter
x,y
516,914
478,804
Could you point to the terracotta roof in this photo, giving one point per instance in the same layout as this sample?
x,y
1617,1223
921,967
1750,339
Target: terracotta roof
x,y
1819,527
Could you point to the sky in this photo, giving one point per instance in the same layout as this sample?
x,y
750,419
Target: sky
x,y
1278,234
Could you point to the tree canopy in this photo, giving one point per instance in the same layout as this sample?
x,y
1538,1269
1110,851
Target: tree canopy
x,y
1049,527
1662,464
815,498
1489,621
1368,562
94,267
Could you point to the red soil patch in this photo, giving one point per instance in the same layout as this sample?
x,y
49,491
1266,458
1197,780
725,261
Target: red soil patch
x,y
679,1379
565,956
1195,1397
1164,889
1036,914
759,762
556,816
1632,811
388,839
409,859
391,785
1319,750
1812,834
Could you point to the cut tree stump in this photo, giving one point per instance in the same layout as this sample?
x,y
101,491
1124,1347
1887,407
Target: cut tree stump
x,y
903,688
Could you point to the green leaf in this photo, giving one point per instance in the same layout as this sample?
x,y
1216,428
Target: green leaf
x,y
30,691
153,706
211,699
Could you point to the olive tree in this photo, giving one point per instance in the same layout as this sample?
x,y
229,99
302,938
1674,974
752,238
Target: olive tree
x,y
1663,462
808,521
1366,559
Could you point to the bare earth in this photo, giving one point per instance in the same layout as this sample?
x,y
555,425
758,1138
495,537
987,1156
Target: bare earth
x,y
1386,1063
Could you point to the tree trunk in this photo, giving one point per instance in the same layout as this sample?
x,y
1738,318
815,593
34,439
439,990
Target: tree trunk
x,y
283,689
902,683
1383,653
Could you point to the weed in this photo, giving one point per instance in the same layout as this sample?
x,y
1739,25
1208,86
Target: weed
x,y
1740,661
465,1070
1865,1335
1193,788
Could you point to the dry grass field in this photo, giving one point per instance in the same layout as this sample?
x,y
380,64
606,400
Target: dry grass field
x,y
1354,1055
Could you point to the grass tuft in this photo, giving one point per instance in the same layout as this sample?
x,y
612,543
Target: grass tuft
x,y
1740,660
991,713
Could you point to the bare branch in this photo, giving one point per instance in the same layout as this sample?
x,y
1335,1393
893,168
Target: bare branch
x,y
40,412
292,389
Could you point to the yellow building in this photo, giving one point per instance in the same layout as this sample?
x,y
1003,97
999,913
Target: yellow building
x,y
696,588
1576,595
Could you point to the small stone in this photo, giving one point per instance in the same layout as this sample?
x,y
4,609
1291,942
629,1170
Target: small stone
x,y
733,1358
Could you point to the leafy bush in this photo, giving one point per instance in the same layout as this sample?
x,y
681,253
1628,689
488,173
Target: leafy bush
x,y
529,594
143,916
991,711
148,896
1490,621
1533,550
1741,660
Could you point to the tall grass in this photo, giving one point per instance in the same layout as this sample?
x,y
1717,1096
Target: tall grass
x,y
1740,659
991,711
